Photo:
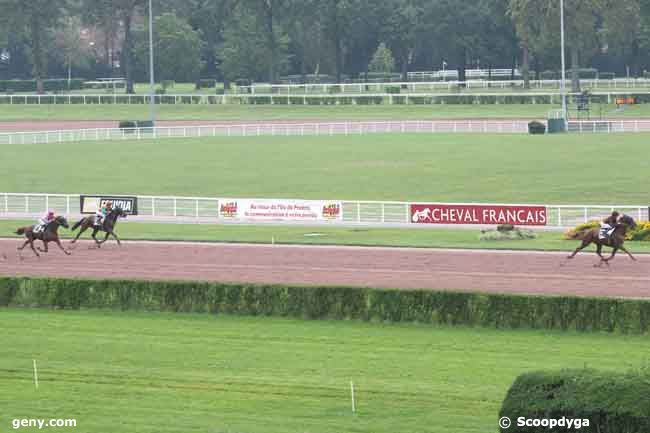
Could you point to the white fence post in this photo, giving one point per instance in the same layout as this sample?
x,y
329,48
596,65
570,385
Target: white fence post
x,y
153,206
67,205
6,203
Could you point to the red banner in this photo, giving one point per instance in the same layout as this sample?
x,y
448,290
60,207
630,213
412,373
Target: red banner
x,y
478,214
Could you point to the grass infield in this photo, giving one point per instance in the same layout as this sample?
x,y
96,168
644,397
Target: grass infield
x,y
189,372
295,112
556,169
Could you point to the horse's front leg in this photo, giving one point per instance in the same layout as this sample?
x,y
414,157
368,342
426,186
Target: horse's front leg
x,y
45,249
81,230
627,252
116,238
58,242
105,238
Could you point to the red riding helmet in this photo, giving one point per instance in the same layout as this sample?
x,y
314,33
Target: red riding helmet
x,y
50,214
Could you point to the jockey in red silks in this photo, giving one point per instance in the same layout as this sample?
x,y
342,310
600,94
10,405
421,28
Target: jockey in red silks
x,y
44,221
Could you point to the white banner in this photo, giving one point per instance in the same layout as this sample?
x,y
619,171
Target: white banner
x,y
281,210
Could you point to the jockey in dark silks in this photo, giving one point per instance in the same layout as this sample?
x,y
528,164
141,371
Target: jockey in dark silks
x,y
608,225
102,212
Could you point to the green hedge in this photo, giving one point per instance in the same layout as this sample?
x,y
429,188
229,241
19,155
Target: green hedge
x,y
50,85
611,402
425,306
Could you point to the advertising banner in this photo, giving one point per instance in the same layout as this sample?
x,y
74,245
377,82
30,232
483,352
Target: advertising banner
x,y
90,203
478,214
281,210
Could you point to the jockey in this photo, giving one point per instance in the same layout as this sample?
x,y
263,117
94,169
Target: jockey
x,y
102,212
608,225
44,221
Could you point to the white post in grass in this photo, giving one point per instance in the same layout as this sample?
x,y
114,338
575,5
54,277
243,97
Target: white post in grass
x,y
35,374
354,409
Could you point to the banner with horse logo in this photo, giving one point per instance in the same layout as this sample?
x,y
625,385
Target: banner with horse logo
x,y
90,203
521,215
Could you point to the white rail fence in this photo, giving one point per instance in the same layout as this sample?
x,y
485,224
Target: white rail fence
x,y
204,209
271,129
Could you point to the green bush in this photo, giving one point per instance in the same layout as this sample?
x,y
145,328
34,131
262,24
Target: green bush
x,y
502,234
549,75
536,127
610,402
128,125
424,306
393,89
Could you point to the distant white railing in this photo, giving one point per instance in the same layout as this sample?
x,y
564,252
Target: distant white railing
x,y
271,129
206,210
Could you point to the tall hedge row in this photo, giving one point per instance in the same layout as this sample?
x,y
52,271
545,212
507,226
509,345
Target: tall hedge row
x,y
49,85
424,306
609,402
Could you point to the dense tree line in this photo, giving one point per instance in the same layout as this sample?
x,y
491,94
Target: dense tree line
x,y
263,40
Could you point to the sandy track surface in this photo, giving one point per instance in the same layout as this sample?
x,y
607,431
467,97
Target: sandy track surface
x,y
407,268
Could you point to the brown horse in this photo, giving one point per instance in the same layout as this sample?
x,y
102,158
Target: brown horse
x,y
614,241
108,226
50,234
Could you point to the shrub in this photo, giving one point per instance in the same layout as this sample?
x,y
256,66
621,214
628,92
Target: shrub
x,y
536,127
424,306
640,233
393,89
167,84
579,231
504,234
128,126
549,75
609,401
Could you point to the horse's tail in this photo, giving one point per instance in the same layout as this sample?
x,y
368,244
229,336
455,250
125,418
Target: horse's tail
x,y
20,231
77,224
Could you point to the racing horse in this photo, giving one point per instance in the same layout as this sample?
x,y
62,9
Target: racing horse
x,y
50,234
614,241
108,226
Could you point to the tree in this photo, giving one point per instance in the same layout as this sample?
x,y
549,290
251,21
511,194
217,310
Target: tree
x,y
401,30
457,28
177,47
38,17
244,52
69,46
581,20
382,60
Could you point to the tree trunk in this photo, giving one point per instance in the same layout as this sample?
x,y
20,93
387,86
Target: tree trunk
x,y
525,67
462,57
37,51
338,52
127,52
575,74
273,46
405,67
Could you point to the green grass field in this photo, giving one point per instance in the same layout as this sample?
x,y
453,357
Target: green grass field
x,y
144,372
281,112
556,169
394,237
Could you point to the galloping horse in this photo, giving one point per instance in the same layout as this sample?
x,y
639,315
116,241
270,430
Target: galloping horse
x,y
108,226
50,234
614,241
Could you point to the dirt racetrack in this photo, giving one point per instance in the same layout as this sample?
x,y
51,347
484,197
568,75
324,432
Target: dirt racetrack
x,y
408,268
